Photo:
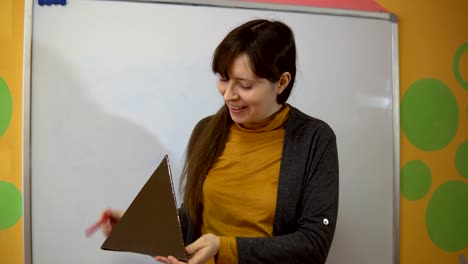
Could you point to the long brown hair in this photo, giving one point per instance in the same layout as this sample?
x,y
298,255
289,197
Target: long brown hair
x,y
271,49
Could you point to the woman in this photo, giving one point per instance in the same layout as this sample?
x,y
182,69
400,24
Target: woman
x,y
261,177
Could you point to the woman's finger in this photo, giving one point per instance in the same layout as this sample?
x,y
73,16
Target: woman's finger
x,y
203,249
195,246
106,228
199,258
110,217
114,215
161,259
173,260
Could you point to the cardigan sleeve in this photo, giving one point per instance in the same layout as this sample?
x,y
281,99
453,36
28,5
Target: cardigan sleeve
x,y
316,218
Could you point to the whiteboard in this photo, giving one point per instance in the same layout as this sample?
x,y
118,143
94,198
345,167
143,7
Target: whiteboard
x,y
117,85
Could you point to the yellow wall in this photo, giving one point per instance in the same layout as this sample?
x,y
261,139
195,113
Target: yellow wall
x,y
11,61
430,33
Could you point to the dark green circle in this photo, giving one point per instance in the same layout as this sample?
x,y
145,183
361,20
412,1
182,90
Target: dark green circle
x,y
415,180
6,106
461,160
447,216
11,208
456,63
429,114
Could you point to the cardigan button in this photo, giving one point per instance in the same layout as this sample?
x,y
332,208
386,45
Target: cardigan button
x,y
325,221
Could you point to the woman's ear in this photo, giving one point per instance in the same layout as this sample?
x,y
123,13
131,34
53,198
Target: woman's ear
x,y
283,82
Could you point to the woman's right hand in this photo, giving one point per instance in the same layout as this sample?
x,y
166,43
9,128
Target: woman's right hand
x,y
114,218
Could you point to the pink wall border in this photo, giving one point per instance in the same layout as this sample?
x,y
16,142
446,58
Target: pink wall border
x,y
361,5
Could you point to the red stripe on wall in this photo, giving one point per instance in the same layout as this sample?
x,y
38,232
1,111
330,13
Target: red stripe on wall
x,y
361,5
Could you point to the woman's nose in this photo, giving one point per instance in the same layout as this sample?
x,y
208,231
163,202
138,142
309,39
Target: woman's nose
x,y
230,93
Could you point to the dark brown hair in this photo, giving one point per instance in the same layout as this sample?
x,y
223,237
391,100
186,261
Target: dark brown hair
x,y
271,49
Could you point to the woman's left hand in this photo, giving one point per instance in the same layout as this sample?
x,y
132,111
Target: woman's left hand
x,y
199,251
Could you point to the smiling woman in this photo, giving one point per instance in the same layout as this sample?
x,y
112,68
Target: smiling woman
x,y
235,207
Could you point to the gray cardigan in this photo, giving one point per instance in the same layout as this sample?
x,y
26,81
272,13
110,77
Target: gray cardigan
x,y
307,201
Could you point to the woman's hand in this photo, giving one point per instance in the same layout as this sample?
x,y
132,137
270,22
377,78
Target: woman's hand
x,y
114,218
199,251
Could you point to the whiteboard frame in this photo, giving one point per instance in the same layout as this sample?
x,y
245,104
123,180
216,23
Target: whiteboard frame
x,y
27,91
26,133
396,144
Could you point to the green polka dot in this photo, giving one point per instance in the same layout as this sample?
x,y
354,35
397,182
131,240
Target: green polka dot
x,y
6,106
461,160
11,208
429,114
415,180
447,216
456,63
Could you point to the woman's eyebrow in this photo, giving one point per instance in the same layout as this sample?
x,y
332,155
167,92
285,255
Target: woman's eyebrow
x,y
243,79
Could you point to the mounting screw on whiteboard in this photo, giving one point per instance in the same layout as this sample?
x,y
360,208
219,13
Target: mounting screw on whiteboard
x,y
52,2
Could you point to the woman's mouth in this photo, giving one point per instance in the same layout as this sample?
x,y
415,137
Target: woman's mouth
x,y
236,109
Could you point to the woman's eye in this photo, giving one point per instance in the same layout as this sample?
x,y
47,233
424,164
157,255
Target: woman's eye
x,y
244,86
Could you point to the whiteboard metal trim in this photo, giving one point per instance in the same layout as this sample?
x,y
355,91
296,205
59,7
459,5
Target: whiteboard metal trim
x,y
396,143
273,7
26,133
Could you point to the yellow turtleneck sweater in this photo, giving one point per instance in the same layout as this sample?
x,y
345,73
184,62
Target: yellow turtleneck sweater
x,y
239,192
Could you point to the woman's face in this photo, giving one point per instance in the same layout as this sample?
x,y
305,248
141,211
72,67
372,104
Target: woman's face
x,y
250,99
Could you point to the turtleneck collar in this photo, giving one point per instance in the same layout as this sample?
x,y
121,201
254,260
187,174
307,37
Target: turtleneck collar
x,y
273,122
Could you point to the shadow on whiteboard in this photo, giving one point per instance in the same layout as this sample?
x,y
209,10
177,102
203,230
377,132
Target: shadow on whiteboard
x,y
93,151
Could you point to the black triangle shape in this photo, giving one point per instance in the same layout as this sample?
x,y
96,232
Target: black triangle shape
x,y
151,224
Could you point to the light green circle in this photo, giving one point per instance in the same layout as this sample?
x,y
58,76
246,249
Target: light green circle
x,y
456,63
461,160
429,114
415,180
447,216
6,106
11,208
